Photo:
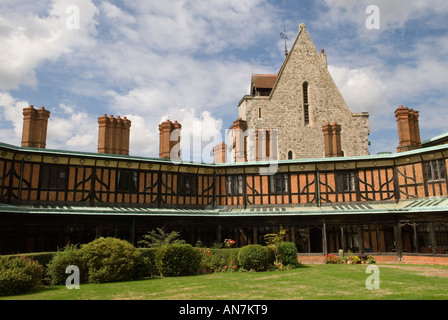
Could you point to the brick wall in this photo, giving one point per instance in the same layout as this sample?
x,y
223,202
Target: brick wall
x,y
386,259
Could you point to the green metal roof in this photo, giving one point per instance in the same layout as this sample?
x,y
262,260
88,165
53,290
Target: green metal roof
x,y
378,157
422,205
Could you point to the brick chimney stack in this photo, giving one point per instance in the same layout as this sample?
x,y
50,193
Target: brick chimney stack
x,y
113,135
35,124
169,137
408,129
219,153
332,140
239,128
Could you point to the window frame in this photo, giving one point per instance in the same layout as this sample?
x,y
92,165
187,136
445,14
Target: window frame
x,y
346,181
436,168
182,180
306,103
234,185
50,177
279,183
131,185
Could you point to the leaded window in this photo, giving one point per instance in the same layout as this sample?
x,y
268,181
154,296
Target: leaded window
x,y
436,170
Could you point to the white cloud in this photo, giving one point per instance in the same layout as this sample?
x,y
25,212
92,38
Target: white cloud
x,y
70,127
201,26
393,14
198,135
11,111
29,38
364,90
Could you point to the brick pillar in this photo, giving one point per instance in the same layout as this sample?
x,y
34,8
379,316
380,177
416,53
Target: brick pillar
x,y
35,125
240,127
336,137
113,135
29,124
169,137
328,139
42,126
126,136
273,147
175,137
263,144
408,129
118,129
219,153
257,146
416,133
103,123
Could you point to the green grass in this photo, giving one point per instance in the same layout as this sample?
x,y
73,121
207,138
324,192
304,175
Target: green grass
x,y
309,282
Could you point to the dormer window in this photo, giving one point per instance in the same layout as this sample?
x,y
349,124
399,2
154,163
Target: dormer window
x,y
262,84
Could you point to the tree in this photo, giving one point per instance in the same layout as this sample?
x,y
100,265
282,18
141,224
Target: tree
x,y
158,238
273,241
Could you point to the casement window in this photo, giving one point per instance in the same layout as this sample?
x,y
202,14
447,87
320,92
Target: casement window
x,y
346,181
127,181
435,170
53,177
279,183
234,185
187,185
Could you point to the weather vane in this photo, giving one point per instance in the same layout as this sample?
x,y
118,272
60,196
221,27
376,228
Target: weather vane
x,y
285,37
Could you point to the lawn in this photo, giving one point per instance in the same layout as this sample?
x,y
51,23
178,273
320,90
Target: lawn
x,y
309,282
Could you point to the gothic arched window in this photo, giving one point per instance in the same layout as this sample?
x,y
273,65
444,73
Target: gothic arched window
x,y
306,106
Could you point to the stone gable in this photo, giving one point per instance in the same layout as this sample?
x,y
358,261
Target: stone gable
x,y
300,130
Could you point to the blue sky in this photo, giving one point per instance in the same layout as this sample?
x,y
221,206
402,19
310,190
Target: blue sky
x,y
192,61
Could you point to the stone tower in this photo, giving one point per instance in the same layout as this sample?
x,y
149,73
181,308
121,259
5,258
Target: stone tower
x,y
299,101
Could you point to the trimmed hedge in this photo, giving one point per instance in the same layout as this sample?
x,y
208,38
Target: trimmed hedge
x,y
110,260
61,260
287,252
146,266
114,260
174,260
19,274
255,257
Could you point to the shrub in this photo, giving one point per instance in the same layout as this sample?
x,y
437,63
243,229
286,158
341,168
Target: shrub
x,y
219,259
70,255
110,260
146,265
43,258
174,260
18,275
287,252
254,257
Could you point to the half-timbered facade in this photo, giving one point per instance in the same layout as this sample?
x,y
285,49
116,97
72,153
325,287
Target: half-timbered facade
x,y
390,204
